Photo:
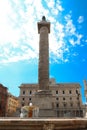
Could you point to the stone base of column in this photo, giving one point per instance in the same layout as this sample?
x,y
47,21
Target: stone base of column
x,y
47,113
43,99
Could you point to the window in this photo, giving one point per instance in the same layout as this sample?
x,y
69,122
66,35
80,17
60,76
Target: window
x,y
23,92
23,99
76,91
57,98
30,99
30,92
57,105
70,92
57,92
63,98
63,92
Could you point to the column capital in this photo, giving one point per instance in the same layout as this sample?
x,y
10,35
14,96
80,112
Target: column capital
x,y
42,23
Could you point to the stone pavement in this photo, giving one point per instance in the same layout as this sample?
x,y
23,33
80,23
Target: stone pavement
x,y
43,124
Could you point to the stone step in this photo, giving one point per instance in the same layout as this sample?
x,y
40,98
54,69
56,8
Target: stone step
x,y
19,128
43,124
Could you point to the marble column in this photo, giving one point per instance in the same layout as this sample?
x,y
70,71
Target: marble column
x,y
43,72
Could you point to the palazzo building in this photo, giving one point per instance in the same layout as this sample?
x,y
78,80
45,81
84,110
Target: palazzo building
x,y
12,105
53,99
67,100
3,100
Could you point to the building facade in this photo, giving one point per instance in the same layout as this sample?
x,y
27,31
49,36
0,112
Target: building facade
x,y
66,97
12,105
27,92
3,100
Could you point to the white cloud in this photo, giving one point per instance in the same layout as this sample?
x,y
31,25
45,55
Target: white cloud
x,y
72,41
79,37
78,41
19,37
66,60
69,28
51,3
75,54
71,32
28,54
54,6
80,19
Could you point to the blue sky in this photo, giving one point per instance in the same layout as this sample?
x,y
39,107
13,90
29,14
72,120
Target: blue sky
x,y
19,41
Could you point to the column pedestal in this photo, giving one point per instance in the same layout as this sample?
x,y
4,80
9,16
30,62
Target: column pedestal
x,y
43,99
